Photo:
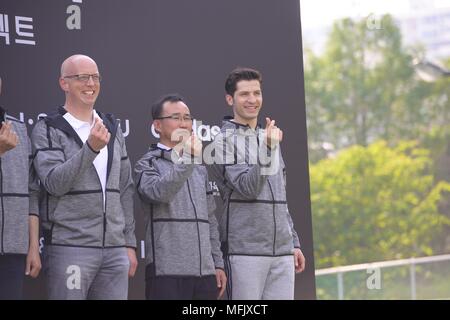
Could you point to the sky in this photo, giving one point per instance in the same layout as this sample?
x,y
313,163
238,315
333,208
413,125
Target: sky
x,y
423,21
316,13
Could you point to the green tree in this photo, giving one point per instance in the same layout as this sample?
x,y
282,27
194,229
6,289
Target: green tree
x,y
363,87
376,203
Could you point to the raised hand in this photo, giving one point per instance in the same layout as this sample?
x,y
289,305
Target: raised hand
x,y
273,134
99,136
193,146
8,138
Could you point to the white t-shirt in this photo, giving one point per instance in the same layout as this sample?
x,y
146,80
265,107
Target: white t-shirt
x,y
83,130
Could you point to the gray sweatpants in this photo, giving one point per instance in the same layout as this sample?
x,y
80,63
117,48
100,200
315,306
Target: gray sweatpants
x,y
74,273
261,278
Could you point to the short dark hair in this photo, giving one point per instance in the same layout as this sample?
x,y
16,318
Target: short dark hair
x,y
239,74
157,107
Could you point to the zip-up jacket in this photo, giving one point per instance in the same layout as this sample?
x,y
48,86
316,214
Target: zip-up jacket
x,y
19,193
251,178
182,237
72,211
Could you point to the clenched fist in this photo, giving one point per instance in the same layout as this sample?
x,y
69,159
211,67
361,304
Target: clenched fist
x,y
8,138
273,134
99,136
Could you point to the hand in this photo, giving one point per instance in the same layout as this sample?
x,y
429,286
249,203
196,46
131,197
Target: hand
x,y
299,260
180,136
221,279
33,264
273,134
8,138
99,136
193,146
133,262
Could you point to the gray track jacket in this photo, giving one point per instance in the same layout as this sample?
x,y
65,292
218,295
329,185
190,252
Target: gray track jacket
x,y
182,238
19,192
255,219
72,207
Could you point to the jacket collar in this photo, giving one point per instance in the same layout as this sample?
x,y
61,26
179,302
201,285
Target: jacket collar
x,y
169,155
161,153
229,122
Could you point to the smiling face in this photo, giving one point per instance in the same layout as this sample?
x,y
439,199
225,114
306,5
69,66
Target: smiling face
x,y
246,102
79,93
167,126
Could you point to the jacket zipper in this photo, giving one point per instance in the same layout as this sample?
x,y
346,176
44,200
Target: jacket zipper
x,y
104,215
103,206
273,209
198,228
274,220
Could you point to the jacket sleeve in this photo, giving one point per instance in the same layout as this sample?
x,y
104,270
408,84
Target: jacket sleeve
x,y
33,184
127,192
213,227
56,173
154,186
296,240
245,179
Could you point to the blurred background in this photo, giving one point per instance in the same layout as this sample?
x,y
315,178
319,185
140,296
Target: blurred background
x,y
378,114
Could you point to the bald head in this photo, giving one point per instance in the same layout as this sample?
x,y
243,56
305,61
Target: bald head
x,y
78,82
71,64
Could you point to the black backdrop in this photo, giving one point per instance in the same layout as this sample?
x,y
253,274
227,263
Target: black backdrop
x,y
148,48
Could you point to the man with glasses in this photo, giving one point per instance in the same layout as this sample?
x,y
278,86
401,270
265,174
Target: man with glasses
x,y
19,232
87,210
183,254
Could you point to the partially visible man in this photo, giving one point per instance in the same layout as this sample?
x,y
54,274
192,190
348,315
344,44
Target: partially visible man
x,y
19,192
184,260
87,212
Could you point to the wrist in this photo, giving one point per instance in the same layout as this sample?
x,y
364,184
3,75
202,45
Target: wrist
x,y
92,148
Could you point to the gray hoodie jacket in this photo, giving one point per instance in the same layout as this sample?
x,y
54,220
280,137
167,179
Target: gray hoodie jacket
x,y
182,238
71,209
255,219
19,193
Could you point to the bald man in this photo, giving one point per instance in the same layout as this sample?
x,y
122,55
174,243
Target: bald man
x,y
87,212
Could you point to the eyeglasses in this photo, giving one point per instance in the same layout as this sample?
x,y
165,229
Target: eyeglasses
x,y
178,117
85,77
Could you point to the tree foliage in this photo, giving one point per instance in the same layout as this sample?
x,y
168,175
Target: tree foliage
x,y
376,203
364,87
